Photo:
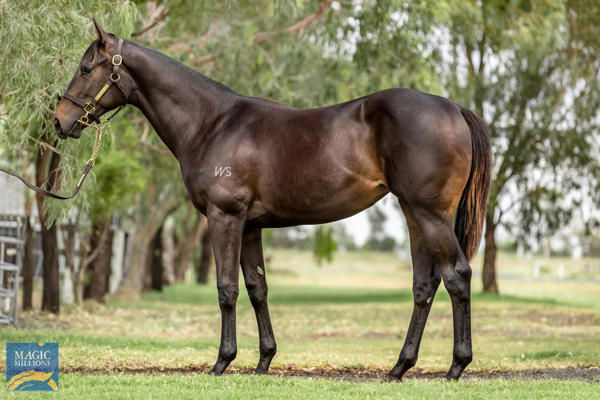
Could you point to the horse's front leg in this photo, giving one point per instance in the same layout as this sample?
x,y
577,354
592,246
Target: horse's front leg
x,y
225,232
253,267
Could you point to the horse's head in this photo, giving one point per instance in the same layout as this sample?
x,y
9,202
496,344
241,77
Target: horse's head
x,y
97,86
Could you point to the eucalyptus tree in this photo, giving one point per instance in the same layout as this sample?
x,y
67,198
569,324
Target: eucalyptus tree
x,y
530,68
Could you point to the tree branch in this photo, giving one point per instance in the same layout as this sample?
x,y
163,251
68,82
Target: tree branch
x,y
157,14
298,27
154,148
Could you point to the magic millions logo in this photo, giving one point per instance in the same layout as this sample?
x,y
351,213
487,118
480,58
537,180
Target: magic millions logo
x,y
31,367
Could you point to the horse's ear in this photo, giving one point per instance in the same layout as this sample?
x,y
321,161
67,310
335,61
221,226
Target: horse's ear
x,y
102,35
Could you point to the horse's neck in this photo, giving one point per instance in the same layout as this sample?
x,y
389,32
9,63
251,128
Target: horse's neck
x,y
180,105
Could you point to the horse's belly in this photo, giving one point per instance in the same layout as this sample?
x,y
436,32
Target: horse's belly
x,y
316,205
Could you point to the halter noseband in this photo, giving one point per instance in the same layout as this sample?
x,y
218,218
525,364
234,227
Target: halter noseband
x,y
89,107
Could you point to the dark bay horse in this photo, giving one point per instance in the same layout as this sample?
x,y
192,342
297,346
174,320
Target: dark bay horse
x,y
250,163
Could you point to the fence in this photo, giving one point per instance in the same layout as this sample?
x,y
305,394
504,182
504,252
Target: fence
x,y
12,240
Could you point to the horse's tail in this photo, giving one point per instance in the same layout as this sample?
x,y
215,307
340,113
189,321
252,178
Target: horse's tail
x,y
470,214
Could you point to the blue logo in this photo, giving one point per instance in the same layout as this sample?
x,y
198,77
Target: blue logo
x,y
31,367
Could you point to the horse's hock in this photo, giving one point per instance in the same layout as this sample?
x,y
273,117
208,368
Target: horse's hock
x,y
12,239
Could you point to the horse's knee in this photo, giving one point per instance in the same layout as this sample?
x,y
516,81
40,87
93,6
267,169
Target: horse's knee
x,y
228,295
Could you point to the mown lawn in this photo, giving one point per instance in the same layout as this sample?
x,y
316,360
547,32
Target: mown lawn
x,y
264,387
352,313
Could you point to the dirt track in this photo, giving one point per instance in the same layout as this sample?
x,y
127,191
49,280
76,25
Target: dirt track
x,y
590,373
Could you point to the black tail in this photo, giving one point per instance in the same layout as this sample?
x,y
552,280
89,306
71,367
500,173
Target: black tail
x,y
473,203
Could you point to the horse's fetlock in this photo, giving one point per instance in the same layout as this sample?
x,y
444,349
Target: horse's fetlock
x,y
227,354
268,349
463,356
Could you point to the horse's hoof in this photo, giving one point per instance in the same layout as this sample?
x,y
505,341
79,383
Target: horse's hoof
x,y
452,376
391,378
261,371
217,371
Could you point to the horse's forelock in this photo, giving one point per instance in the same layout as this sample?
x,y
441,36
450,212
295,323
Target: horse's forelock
x,y
91,50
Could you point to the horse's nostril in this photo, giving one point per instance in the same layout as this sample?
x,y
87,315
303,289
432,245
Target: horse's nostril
x,y
57,124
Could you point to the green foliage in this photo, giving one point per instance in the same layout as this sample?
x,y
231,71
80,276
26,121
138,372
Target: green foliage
x,y
527,69
118,179
324,245
530,67
41,47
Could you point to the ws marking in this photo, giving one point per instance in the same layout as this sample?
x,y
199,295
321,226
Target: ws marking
x,y
222,171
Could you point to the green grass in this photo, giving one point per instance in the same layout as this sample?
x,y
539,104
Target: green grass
x,y
352,313
264,387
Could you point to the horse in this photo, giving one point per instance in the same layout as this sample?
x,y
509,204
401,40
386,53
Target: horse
x,y
250,163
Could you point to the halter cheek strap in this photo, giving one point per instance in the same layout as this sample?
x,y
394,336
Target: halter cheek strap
x,y
89,107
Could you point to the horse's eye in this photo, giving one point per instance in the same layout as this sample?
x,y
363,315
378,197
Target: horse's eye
x,y
85,70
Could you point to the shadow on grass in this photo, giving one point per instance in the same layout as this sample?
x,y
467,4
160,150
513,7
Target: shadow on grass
x,y
188,293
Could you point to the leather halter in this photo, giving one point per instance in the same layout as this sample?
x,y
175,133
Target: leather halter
x,y
89,109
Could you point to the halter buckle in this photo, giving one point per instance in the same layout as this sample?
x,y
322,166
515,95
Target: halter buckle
x,y
89,108
117,60
115,77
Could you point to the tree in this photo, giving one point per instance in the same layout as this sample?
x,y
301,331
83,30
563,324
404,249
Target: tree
x,y
37,47
528,67
531,71
378,240
324,245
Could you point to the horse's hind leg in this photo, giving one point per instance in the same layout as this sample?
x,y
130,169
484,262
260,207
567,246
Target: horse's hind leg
x,y
426,279
456,273
253,268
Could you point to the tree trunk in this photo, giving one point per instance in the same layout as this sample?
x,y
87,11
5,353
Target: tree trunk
x,y
28,264
135,261
28,256
489,260
100,267
139,240
205,261
68,235
168,251
156,266
187,245
50,294
79,281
